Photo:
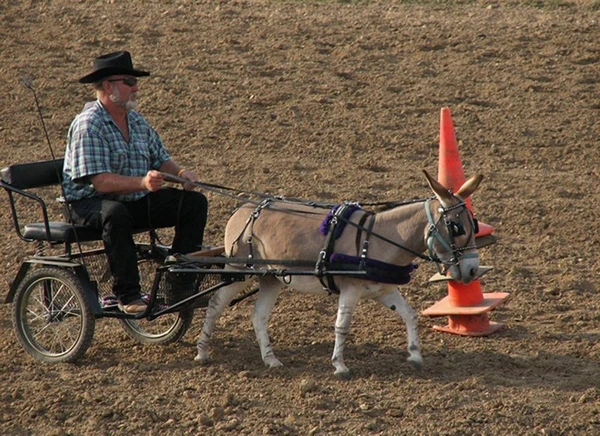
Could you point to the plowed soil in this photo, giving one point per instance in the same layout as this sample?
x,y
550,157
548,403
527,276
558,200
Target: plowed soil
x,y
336,101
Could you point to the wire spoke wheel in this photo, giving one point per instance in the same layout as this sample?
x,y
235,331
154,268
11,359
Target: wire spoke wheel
x,y
51,317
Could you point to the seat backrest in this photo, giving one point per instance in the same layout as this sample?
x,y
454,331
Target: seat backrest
x,y
17,180
33,174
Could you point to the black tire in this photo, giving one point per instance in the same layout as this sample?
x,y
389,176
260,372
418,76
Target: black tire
x,y
52,320
166,329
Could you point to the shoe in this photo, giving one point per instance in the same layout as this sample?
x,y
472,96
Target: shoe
x,y
134,307
109,302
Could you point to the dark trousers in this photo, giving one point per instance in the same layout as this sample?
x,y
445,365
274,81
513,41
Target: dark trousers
x,y
167,207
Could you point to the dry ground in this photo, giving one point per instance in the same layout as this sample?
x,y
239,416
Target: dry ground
x,y
333,101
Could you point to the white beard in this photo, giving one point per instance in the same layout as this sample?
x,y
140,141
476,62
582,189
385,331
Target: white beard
x,y
131,105
115,97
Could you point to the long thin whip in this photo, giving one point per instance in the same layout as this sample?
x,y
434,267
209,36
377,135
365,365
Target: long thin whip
x,y
27,82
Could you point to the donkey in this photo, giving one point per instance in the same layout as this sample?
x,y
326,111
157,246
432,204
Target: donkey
x,y
441,225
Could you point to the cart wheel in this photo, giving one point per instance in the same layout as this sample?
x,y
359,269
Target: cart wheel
x,y
166,329
52,320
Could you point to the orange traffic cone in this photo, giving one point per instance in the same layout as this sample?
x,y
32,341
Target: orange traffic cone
x,y
450,170
466,306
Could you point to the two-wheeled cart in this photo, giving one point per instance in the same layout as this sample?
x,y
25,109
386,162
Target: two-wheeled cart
x,y
58,297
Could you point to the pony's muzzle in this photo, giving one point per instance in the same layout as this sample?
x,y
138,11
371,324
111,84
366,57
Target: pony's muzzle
x,y
466,270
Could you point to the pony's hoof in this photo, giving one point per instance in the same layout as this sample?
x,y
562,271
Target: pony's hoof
x,y
415,363
273,363
343,375
203,360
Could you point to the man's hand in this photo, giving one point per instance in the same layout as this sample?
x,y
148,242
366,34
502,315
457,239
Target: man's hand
x,y
153,180
191,176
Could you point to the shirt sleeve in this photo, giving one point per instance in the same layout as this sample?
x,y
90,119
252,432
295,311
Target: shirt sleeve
x,y
89,151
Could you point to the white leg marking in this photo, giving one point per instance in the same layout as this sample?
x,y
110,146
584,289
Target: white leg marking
x,y
215,309
398,304
347,304
270,289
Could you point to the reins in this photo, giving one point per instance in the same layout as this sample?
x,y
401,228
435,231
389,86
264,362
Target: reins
x,y
235,193
268,199
389,241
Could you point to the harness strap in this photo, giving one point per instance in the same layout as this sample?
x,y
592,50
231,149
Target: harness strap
x,y
365,247
433,231
450,246
361,223
374,270
250,225
393,243
327,281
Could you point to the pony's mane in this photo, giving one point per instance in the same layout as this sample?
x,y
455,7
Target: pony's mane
x,y
382,207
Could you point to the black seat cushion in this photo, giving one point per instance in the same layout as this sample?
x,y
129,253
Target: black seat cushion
x,y
61,232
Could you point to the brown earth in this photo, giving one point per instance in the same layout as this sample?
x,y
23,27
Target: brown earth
x,y
332,101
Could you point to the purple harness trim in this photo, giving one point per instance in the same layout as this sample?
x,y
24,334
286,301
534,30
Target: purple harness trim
x,y
377,271
326,224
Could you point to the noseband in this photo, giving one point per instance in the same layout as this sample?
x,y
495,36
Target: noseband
x,y
455,228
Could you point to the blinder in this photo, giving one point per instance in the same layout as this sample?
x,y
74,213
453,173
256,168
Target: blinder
x,y
457,228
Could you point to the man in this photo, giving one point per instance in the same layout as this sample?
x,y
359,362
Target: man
x,y
113,181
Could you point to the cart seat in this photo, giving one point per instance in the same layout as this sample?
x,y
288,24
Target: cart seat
x,y
61,232
18,179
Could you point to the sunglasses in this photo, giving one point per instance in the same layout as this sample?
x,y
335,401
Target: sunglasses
x,y
129,81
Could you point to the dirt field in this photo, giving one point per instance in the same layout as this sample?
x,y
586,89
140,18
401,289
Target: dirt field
x,y
336,101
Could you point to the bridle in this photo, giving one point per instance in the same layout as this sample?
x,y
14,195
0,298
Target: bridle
x,y
455,228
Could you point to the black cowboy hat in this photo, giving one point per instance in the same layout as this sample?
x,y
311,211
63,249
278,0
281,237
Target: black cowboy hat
x,y
106,65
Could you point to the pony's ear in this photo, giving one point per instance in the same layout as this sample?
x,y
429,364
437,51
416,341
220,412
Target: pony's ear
x,y
469,187
464,191
440,190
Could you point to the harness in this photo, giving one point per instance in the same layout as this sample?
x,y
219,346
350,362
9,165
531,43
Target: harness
x,y
378,271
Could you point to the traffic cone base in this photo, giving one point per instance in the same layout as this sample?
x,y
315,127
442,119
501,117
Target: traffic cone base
x,y
481,271
470,325
484,241
489,302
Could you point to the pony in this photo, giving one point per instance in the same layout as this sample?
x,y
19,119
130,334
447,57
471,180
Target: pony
x,y
381,246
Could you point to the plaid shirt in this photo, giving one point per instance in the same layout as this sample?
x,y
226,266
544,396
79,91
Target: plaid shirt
x,y
96,145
